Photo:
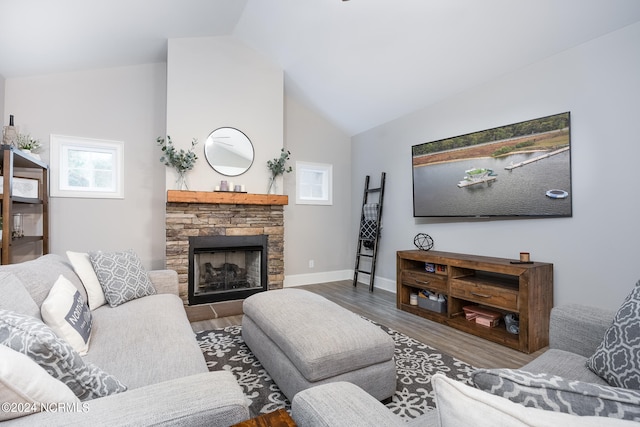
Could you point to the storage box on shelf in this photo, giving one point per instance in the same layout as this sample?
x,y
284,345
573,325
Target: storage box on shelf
x,y
22,187
431,304
485,282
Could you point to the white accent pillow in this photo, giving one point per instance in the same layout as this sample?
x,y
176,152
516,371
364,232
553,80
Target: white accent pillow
x,y
84,269
65,311
461,405
23,381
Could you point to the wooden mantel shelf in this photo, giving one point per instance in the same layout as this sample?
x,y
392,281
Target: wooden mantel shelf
x,y
225,198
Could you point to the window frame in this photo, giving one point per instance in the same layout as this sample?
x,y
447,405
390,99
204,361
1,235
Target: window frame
x,y
327,183
60,144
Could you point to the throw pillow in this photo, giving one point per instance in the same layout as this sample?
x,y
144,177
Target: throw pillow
x,y
461,405
553,393
15,296
84,269
617,358
33,338
27,385
66,313
122,276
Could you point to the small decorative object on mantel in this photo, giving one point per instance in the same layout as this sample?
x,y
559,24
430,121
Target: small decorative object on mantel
x,y
277,167
230,187
423,241
181,160
10,136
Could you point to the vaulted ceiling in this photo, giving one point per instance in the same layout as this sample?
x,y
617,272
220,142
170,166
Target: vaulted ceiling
x,y
360,63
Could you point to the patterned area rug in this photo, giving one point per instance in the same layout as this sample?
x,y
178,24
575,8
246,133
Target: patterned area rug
x,y
415,364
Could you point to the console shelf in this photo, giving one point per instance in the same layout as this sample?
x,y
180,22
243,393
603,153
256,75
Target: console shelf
x,y
494,283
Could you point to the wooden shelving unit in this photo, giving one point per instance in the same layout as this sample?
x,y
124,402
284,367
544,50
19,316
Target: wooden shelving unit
x,y
495,283
17,164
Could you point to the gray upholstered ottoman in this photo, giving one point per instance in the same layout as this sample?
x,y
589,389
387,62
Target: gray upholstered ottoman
x,y
302,339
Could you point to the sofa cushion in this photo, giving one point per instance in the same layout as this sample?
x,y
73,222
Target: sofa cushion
x,y
35,339
66,313
617,359
84,269
15,297
462,405
121,275
341,403
152,334
550,392
39,275
27,385
565,364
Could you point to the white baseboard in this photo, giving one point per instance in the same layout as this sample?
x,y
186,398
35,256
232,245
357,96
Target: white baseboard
x,y
333,276
379,283
309,279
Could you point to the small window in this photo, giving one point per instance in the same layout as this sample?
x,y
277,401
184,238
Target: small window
x,y
314,184
83,167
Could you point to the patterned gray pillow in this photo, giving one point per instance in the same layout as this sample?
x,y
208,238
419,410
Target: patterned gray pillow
x,y
121,275
551,392
33,338
617,358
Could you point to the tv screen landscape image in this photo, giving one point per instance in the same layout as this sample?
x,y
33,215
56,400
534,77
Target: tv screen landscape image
x,y
518,170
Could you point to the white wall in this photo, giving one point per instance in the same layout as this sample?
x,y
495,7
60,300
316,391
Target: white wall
x,y
208,83
595,252
217,82
125,104
316,232
2,119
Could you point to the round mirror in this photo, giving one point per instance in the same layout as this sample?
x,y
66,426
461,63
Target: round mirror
x,y
229,151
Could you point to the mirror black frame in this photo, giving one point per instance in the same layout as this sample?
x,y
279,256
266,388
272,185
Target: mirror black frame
x,y
231,157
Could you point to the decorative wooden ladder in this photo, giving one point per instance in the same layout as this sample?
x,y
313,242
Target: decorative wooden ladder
x,y
369,232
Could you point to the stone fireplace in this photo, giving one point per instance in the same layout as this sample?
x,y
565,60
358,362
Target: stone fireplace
x,y
191,214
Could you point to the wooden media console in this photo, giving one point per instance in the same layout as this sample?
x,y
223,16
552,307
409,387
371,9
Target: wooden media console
x,y
497,284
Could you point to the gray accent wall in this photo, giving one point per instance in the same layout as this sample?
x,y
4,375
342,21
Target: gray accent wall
x,y
595,253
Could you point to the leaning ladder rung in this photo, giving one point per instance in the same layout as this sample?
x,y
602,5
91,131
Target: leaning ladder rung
x,y
364,271
373,190
367,255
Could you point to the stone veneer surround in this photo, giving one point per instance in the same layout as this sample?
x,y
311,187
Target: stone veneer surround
x,y
201,213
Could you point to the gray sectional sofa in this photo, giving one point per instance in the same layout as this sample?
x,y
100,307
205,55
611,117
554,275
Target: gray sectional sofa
x,y
146,344
557,388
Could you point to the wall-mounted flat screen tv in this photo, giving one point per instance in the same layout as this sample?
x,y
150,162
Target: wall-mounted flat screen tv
x,y
518,170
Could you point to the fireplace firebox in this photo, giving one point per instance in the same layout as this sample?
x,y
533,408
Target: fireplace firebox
x,y
223,268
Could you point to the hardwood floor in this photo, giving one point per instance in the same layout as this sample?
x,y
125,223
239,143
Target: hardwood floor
x,y
380,306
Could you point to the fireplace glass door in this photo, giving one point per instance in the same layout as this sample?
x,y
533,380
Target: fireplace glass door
x,y
225,268
227,271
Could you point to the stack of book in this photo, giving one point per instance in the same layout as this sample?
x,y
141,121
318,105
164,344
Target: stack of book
x,y
482,316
